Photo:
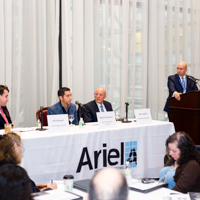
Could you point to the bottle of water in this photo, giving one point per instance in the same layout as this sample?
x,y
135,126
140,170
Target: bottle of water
x,y
81,123
128,173
38,123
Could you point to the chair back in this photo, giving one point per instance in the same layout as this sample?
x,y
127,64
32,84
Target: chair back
x,y
38,115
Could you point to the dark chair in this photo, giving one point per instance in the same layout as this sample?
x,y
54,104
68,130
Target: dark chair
x,y
38,115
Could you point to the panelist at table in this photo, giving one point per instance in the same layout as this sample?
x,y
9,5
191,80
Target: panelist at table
x,y
64,106
4,114
179,83
97,105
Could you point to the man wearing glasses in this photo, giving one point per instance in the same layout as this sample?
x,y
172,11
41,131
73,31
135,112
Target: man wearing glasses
x,y
179,83
97,105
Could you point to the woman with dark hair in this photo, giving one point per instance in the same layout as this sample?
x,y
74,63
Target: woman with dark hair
x,y
14,183
11,150
182,172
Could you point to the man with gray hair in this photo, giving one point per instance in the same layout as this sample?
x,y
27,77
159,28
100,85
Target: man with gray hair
x,y
108,184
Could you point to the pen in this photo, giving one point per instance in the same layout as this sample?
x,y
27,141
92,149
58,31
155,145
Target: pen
x,y
51,181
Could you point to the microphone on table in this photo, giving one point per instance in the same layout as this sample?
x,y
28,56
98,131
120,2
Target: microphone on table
x,y
126,121
41,118
79,104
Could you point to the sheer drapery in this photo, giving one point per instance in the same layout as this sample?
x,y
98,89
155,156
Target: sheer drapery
x,y
127,46
130,48
29,56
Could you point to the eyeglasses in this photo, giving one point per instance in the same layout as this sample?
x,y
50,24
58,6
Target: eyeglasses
x,y
21,147
96,94
180,68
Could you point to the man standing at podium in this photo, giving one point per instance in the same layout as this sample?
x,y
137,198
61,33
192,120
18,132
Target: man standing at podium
x,y
179,83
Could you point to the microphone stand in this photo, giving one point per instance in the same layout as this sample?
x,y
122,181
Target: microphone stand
x,y
41,129
126,121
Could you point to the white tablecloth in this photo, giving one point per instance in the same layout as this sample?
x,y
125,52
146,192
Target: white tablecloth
x,y
52,155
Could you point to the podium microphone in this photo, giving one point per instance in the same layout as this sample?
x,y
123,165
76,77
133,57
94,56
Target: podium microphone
x,y
193,79
126,121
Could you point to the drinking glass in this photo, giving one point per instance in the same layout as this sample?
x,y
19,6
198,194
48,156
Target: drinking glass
x,y
71,119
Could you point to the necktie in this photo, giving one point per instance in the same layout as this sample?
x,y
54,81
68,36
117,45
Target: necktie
x,y
183,83
3,115
102,110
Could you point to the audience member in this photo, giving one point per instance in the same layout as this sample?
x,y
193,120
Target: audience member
x,y
108,184
4,114
11,149
14,183
97,105
64,106
182,172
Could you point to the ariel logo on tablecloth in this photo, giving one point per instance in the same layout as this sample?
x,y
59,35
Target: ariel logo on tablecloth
x,y
131,153
115,157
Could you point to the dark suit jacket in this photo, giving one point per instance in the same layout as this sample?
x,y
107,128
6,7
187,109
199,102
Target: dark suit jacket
x,y
175,85
91,109
2,121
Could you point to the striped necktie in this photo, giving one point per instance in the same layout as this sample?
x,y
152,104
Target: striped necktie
x,y
183,84
102,110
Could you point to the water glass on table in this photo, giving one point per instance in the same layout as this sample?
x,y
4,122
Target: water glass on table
x,y
71,119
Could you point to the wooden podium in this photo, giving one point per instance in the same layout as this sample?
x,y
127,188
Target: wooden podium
x,y
185,114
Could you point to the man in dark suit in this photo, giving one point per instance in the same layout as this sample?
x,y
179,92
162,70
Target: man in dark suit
x,y
179,83
4,114
98,105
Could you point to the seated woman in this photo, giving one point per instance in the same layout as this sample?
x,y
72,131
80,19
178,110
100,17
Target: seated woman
x,y
182,172
11,152
14,183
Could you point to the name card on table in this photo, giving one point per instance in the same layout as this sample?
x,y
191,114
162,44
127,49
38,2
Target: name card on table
x,y
106,120
143,116
58,123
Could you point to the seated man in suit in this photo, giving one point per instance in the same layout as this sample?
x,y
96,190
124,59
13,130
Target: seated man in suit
x,y
179,83
64,106
4,114
108,184
97,105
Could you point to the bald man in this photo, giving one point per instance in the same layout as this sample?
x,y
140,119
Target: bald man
x,y
98,105
179,83
108,184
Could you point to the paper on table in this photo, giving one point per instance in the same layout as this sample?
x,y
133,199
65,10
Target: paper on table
x,y
58,195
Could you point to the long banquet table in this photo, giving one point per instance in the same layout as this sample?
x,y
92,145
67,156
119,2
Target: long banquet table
x,y
83,151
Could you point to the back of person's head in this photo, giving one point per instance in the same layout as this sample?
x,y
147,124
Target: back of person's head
x,y
108,184
185,145
61,91
7,150
2,88
14,183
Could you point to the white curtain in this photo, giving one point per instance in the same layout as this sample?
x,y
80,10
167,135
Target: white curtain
x,y
29,56
130,48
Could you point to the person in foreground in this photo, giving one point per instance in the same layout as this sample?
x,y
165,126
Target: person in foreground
x,y
108,184
4,114
64,106
14,183
179,83
11,149
182,172
97,105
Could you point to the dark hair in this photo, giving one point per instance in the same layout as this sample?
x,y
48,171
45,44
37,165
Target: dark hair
x,y
61,91
185,145
14,183
2,88
121,193
7,151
